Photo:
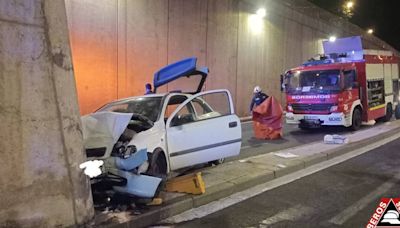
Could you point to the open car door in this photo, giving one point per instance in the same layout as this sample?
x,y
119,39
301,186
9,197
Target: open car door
x,y
203,128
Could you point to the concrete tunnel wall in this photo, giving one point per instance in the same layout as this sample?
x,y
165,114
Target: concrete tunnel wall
x,y
41,146
117,45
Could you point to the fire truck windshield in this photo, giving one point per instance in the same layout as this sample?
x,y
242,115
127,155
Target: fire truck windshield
x,y
323,81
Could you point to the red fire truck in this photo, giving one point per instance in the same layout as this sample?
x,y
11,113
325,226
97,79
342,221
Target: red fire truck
x,y
345,86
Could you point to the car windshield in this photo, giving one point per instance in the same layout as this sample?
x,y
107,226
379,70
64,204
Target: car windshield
x,y
323,81
145,106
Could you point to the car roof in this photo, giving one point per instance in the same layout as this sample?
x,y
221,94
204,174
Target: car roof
x,y
148,95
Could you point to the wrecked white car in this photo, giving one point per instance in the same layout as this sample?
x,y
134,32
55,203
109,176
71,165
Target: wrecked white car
x,y
175,129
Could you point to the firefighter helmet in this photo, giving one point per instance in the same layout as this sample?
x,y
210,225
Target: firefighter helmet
x,y
257,89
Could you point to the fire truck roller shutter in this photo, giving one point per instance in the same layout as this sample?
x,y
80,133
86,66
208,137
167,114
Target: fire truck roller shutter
x,y
387,71
396,83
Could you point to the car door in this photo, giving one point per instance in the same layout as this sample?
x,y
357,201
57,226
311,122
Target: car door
x,y
203,128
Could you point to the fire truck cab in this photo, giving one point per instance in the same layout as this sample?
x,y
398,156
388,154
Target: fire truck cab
x,y
345,86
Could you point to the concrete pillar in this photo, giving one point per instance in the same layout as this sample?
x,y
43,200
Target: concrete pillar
x,y
40,132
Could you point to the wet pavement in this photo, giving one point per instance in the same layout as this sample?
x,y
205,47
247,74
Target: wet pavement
x,y
344,195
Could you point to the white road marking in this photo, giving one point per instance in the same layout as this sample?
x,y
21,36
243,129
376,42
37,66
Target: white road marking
x,y
238,197
285,155
352,210
289,214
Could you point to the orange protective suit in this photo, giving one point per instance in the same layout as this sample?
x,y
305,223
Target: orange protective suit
x,y
267,119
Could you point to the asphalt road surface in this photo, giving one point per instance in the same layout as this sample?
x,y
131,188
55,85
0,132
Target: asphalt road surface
x,y
344,195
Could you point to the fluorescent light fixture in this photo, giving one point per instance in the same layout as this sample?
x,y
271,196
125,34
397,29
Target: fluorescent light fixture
x,y
349,4
370,31
332,39
256,24
261,12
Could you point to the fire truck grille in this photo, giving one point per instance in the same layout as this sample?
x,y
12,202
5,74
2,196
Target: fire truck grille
x,y
311,107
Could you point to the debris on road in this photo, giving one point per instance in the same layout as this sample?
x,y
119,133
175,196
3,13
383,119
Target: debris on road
x,y
281,166
155,202
286,155
335,139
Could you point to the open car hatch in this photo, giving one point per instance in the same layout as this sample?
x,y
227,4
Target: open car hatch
x,y
183,68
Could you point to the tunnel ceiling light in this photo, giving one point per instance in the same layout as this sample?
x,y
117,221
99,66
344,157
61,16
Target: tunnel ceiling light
x,y
332,39
261,12
256,24
370,31
349,4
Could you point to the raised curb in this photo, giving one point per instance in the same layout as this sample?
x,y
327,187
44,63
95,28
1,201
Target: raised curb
x,y
186,202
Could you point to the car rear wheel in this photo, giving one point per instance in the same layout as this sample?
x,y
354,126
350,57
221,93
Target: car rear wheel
x,y
217,162
389,112
356,120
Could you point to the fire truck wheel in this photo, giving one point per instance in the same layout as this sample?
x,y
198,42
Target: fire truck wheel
x,y
389,112
397,112
304,128
356,121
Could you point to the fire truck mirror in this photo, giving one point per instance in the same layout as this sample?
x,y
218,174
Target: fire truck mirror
x,y
282,84
356,85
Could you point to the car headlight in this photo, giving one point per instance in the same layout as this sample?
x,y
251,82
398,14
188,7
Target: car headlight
x,y
126,152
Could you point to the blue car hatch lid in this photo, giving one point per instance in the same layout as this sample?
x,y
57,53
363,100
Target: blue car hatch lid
x,y
183,68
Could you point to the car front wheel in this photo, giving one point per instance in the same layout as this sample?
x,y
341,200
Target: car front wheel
x,y
158,165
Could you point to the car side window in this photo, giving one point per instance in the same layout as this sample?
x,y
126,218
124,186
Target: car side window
x,y
200,106
184,116
349,78
207,106
173,103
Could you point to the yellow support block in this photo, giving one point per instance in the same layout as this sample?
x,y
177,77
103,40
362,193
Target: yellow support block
x,y
192,183
155,202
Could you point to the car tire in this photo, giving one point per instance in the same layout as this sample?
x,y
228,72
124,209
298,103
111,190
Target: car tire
x,y
356,120
397,112
389,112
217,162
158,165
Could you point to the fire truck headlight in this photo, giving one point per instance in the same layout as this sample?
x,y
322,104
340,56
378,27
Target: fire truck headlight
x,y
334,108
289,108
